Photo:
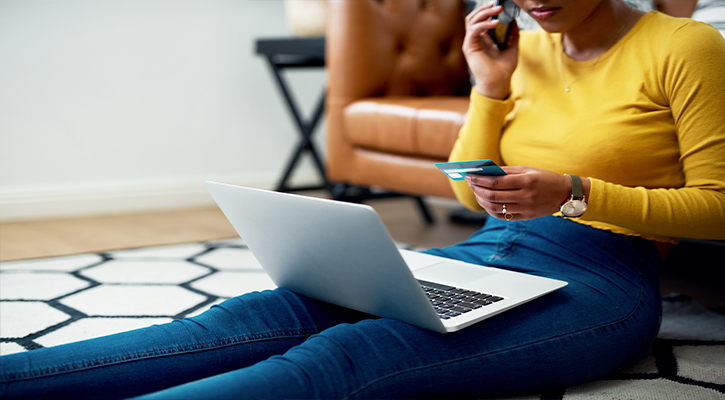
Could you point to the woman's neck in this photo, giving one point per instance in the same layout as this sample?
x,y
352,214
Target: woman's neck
x,y
611,20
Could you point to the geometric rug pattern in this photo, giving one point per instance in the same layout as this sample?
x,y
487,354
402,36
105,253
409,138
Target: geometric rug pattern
x,y
52,301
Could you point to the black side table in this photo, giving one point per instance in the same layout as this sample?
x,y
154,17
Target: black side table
x,y
297,52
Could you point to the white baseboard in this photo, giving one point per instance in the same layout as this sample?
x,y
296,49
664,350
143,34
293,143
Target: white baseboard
x,y
66,201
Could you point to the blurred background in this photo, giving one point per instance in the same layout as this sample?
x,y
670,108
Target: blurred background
x,y
115,106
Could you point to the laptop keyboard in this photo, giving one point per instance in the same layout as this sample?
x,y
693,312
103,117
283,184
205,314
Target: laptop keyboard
x,y
450,301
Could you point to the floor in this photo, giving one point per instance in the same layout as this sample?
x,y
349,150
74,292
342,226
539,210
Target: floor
x,y
698,277
48,238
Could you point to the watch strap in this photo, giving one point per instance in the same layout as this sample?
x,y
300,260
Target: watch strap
x,y
577,189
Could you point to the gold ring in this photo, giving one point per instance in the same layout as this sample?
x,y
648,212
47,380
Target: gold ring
x,y
506,215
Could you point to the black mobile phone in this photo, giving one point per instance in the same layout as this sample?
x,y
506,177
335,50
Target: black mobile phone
x,y
501,33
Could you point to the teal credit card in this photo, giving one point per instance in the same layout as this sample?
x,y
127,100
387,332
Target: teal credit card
x,y
458,170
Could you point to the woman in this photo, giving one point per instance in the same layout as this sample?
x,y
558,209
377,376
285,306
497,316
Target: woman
x,y
627,101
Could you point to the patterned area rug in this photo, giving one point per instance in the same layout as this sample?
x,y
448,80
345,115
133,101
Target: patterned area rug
x,y
54,301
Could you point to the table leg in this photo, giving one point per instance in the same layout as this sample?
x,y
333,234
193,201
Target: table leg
x,y
305,129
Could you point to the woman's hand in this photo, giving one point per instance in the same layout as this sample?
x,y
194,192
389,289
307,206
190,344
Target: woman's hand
x,y
491,68
527,192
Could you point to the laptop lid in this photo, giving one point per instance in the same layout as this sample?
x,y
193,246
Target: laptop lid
x,y
337,252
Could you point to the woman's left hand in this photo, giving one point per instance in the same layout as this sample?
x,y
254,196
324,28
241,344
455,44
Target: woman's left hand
x,y
526,192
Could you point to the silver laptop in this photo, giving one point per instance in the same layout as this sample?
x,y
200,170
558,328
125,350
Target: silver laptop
x,y
341,253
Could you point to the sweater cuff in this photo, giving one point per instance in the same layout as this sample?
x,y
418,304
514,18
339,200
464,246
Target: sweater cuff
x,y
488,106
594,201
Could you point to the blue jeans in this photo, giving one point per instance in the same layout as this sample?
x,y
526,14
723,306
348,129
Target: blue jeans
x,y
277,344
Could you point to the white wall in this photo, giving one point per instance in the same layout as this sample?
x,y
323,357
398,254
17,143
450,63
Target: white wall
x,y
111,106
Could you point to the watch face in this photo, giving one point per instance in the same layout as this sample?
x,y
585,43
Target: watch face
x,y
574,208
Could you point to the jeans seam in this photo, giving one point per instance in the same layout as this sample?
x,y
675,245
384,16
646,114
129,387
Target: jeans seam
x,y
570,334
512,248
170,351
639,302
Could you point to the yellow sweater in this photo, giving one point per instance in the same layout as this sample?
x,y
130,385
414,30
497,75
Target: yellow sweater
x,y
646,125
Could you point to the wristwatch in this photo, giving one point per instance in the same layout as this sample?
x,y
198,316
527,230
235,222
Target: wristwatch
x,y
576,205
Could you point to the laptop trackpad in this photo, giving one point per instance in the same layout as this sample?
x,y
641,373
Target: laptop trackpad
x,y
453,273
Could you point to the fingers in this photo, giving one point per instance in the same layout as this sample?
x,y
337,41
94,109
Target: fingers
x,y
496,207
501,204
479,20
507,215
505,211
514,180
503,197
484,12
500,209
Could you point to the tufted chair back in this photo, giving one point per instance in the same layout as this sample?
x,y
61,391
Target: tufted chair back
x,y
398,89
397,48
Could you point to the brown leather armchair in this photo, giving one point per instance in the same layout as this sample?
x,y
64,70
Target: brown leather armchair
x,y
398,92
